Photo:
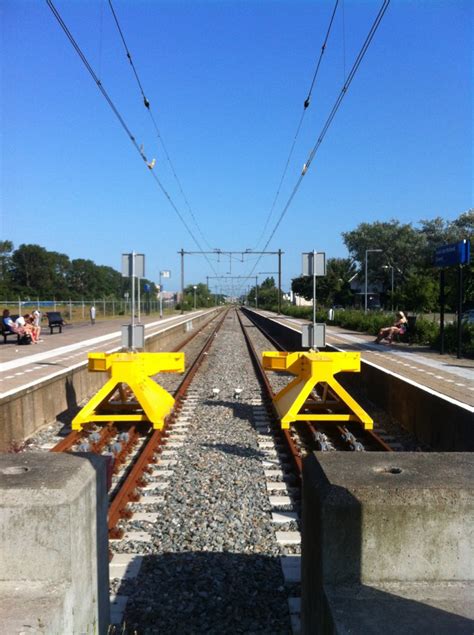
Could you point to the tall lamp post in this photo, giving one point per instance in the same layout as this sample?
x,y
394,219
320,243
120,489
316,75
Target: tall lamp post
x,y
391,294
161,298
367,251
194,287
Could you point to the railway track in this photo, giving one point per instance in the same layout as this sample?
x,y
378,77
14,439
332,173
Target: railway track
x,y
210,485
132,450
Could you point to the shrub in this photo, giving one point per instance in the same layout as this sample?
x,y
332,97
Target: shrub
x,y
451,339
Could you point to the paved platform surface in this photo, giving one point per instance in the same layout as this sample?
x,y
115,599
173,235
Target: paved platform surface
x,y
21,366
443,374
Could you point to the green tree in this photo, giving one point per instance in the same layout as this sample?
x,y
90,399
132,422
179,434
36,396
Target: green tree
x,y
332,289
6,248
402,247
32,271
438,232
267,294
81,279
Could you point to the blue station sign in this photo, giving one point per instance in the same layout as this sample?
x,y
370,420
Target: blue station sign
x,y
453,254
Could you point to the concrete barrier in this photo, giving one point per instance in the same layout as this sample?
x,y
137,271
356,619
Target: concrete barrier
x,y
431,418
31,408
290,339
54,556
388,543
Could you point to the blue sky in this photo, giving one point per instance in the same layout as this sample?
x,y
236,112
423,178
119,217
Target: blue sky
x,y
227,81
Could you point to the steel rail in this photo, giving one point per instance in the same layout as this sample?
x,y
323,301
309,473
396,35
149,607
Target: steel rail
x,y
76,435
373,438
261,375
127,492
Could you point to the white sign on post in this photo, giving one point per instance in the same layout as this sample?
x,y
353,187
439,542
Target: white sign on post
x,y
314,266
319,340
133,336
165,274
127,265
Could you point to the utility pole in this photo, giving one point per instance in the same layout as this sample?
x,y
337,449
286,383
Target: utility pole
x,y
182,281
279,281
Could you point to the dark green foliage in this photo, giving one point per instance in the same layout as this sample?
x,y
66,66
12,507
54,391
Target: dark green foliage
x,y
410,251
267,294
427,331
451,339
32,271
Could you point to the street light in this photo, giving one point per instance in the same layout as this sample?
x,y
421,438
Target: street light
x,y
365,294
194,287
161,298
391,295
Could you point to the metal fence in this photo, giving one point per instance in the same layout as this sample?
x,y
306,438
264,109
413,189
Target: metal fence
x,y
75,311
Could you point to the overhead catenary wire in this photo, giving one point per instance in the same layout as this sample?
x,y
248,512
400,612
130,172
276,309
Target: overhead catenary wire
x,y
147,105
123,123
329,120
306,104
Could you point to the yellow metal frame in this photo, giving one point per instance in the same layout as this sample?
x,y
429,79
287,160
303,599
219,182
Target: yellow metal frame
x,y
312,369
152,403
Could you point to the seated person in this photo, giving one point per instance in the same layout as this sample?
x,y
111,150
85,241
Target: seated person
x,y
35,322
398,328
27,322
10,325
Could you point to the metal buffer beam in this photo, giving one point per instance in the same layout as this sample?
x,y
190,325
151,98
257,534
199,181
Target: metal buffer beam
x,y
149,401
315,394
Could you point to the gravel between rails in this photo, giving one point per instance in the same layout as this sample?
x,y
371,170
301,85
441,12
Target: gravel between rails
x,y
212,565
383,421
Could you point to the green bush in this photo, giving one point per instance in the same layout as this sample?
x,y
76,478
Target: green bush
x,y
426,331
451,339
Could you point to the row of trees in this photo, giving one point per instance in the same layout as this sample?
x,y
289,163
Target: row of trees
x,y
34,272
408,251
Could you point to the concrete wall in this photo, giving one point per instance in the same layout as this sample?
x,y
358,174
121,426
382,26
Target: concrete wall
x,y
29,409
53,529
433,420
288,338
388,543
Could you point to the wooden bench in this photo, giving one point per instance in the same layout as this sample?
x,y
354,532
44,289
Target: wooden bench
x,y
55,321
6,332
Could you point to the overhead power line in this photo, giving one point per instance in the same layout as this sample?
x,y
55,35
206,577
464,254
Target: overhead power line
x,y
330,118
306,104
122,122
147,105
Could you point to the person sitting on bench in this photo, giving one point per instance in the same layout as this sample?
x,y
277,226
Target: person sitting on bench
x,y
10,325
26,322
398,328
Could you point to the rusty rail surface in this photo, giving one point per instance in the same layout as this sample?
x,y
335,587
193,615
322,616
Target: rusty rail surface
x,y
367,437
75,436
127,492
262,376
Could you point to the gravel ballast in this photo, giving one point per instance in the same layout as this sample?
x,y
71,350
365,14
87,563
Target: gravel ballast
x,y
212,565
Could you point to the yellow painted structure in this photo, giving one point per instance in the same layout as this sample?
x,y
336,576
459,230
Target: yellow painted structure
x,y
149,402
315,394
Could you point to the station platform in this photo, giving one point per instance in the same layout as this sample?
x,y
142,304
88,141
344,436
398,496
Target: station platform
x,y
26,366
442,374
